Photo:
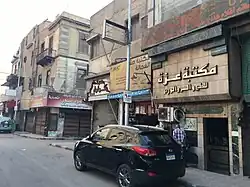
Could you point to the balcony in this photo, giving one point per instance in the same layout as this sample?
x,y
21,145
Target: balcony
x,y
46,57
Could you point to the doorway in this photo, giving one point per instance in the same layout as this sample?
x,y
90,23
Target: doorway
x,y
216,145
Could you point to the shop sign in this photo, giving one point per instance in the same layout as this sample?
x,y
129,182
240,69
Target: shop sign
x,y
198,77
133,94
38,101
99,87
188,74
140,74
60,100
201,16
191,124
127,98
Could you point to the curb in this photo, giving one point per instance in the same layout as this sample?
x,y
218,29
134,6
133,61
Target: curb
x,y
188,184
61,146
46,138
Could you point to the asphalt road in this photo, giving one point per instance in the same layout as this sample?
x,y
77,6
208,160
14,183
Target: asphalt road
x,y
26,162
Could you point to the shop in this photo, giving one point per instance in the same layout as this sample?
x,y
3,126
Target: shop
x,y
104,111
142,110
58,114
201,82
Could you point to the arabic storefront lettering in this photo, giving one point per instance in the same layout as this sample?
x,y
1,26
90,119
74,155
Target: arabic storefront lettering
x,y
99,87
140,71
189,73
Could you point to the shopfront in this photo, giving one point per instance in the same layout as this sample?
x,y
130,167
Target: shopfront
x,y
104,111
196,81
59,114
142,110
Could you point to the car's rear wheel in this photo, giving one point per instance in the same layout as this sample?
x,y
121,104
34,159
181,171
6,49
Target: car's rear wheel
x,y
123,176
79,162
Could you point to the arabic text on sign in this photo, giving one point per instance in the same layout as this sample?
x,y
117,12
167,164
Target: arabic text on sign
x,y
189,73
188,87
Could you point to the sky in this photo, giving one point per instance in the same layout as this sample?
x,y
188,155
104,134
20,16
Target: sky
x,y
19,16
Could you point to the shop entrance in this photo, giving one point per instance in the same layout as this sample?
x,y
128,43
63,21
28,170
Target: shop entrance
x,y
216,145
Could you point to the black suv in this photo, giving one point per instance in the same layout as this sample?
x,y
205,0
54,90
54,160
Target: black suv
x,y
135,155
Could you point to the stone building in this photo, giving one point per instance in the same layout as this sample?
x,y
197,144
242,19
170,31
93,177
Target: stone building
x,y
55,61
199,61
107,66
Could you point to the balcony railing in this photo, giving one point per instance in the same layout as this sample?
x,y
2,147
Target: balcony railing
x,y
46,57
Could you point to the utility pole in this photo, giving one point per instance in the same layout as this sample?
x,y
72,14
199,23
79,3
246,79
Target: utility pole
x,y
128,62
18,83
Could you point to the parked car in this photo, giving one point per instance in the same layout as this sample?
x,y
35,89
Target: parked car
x,y
135,155
6,124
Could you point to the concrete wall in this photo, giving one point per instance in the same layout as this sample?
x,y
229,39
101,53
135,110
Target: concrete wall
x,y
117,12
68,59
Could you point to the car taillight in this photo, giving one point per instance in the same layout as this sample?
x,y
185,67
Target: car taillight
x,y
144,151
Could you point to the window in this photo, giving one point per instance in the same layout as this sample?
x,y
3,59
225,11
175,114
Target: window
x,y
51,45
39,82
25,59
135,27
83,46
42,47
156,138
101,135
48,78
15,69
117,136
81,73
95,45
26,40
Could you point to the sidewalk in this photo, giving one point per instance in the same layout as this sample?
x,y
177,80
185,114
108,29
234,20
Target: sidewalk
x,y
201,178
40,137
193,177
64,145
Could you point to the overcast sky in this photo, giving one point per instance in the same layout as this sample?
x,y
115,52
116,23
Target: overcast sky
x,y
19,16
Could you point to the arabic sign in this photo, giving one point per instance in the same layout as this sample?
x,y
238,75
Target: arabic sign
x,y
191,73
203,15
60,100
38,101
99,87
187,40
140,71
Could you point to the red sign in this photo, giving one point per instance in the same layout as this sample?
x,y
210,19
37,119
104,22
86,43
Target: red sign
x,y
201,16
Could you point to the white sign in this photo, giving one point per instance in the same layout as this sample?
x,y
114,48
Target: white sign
x,y
127,97
191,124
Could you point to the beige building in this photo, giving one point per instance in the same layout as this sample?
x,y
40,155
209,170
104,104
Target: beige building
x,y
107,69
55,62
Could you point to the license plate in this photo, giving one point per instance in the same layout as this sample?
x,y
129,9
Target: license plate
x,y
170,157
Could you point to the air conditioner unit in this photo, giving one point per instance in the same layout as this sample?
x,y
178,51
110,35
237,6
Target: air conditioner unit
x,y
166,114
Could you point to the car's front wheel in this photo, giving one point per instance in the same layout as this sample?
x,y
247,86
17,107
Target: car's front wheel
x,y
79,162
123,176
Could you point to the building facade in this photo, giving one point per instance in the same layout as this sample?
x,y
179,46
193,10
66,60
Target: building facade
x,y
108,67
195,68
54,62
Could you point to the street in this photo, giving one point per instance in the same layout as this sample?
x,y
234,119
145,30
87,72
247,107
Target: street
x,y
27,162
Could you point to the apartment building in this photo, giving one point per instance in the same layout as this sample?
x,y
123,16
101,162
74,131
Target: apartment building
x,y
107,68
8,99
55,62
200,54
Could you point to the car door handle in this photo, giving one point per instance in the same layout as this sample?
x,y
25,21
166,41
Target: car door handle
x,y
100,147
118,149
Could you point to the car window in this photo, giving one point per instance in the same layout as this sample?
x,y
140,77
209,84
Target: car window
x,y
2,118
132,138
101,134
117,136
158,138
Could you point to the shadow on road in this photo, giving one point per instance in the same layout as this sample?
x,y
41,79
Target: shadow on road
x,y
106,177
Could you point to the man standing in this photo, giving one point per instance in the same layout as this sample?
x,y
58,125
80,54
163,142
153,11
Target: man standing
x,y
179,135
